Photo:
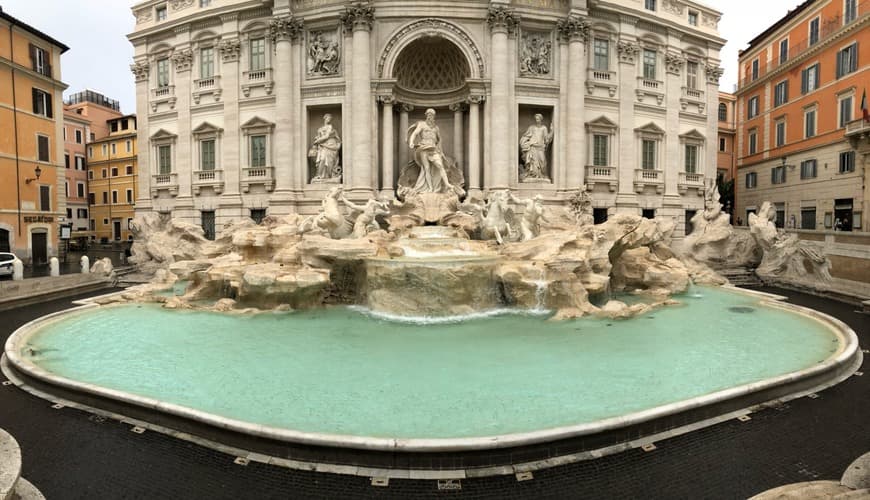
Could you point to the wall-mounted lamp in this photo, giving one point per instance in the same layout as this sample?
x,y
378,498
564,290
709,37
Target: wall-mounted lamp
x,y
791,167
37,172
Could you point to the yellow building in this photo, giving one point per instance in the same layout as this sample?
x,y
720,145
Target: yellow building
x,y
32,170
112,170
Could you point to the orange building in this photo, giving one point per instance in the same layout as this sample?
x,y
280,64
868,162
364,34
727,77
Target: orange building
x,y
75,133
726,159
112,171
799,98
31,141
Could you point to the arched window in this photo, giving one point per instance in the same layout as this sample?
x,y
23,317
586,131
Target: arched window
x,y
723,112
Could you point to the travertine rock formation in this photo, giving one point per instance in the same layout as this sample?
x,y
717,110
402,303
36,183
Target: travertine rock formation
x,y
785,256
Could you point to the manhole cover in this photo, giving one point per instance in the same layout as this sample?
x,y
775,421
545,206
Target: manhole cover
x,y
741,309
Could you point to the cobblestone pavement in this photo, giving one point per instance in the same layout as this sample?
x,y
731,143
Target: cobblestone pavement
x,y
73,454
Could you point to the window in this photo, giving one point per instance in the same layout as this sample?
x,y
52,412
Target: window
x,y
722,144
723,112
649,5
45,198
777,175
845,111
206,149
753,141
601,51
93,137
129,196
42,148
129,170
80,190
649,64
207,218
114,149
82,213
42,103
783,51
125,124
105,149
90,151
80,163
258,54
114,171
808,218
69,213
164,159
66,190
66,160
691,162
160,13
693,18
204,3
850,11
39,60
648,154
163,72
258,150
810,123
114,126
105,198
64,134
92,199
780,95
105,222
751,179
258,214
692,75
814,31
599,215
206,63
129,145
847,60
104,173
755,70
648,213
79,137
114,197
808,169
847,162
780,133
599,150
90,174
752,107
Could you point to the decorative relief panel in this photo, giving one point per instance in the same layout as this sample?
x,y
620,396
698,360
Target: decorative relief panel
x,y
673,6
310,4
143,16
324,53
710,20
543,4
536,54
180,4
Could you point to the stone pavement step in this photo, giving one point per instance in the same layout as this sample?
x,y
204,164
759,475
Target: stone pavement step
x,y
25,490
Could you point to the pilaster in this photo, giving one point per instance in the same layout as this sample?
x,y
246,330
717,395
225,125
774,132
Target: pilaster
x,y
502,21
575,29
357,19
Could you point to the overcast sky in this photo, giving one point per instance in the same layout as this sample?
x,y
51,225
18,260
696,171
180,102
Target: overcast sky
x,y
100,55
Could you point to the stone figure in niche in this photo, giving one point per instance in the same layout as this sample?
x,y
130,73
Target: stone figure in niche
x,y
534,144
324,152
535,59
425,141
323,56
533,214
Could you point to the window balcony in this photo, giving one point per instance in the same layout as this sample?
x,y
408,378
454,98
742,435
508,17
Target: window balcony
x,y
694,96
601,78
160,95
647,177
258,175
208,178
164,182
601,175
206,86
691,181
647,87
258,78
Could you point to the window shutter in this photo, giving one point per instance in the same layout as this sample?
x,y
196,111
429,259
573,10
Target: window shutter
x,y
817,75
855,53
840,62
32,50
35,94
48,107
803,81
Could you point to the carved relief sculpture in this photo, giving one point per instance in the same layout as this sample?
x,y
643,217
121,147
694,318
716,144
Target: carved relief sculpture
x,y
323,53
325,153
673,6
534,144
533,215
535,59
143,16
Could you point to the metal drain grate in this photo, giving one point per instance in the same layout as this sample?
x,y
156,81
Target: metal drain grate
x,y
744,418
648,447
813,396
525,476
241,461
138,430
57,406
381,481
449,485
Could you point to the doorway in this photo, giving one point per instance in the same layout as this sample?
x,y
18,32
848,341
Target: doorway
x,y
5,243
116,229
39,248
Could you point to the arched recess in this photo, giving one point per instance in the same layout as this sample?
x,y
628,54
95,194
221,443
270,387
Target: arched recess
x,y
430,27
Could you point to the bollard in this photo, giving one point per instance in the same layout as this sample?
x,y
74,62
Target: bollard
x,y
54,264
86,264
17,270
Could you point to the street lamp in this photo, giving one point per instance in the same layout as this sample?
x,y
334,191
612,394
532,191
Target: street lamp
x,y
37,172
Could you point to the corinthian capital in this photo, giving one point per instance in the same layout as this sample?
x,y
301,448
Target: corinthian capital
x,y
230,49
183,59
574,28
714,73
140,70
285,28
358,16
501,19
627,51
674,63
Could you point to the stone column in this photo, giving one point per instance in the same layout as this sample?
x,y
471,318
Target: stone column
x,y
502,21
358,19
283,30
576,30
141,71
388,185
474,144
299,159
458,134
404,109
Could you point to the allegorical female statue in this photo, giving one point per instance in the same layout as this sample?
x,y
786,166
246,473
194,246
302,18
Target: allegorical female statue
x,y
533,145
324,151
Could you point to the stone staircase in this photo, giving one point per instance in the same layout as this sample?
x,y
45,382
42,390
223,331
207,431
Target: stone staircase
x,y
741,276
12,485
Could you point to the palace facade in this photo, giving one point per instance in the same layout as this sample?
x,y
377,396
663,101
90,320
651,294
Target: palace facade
x,y
232,98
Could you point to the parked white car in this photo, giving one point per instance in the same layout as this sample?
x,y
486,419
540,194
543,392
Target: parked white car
x,y
6,260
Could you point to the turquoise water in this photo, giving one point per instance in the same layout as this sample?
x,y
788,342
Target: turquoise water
x,y
340,371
